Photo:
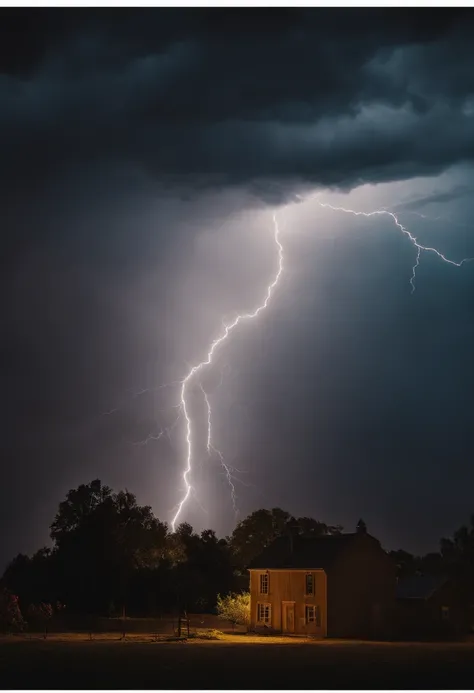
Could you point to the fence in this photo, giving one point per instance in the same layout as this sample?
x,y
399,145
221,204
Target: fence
x,y
164,625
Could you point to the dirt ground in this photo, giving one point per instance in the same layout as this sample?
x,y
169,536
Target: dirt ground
x,y
232,662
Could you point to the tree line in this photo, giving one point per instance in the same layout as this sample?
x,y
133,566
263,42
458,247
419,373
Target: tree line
x,y
111,556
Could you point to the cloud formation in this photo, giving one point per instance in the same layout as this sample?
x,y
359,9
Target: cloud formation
x,y
238,96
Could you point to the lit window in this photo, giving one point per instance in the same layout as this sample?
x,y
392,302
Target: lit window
x,y
309,584
445,613
264,613
313,615
264,583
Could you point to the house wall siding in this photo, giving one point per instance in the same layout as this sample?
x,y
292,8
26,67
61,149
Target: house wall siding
x,y
289,586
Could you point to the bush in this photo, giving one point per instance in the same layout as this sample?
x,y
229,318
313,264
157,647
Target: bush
x,y
211,634
11,618
234,608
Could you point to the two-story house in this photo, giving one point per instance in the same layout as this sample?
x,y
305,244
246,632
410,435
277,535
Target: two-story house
x,y
337,586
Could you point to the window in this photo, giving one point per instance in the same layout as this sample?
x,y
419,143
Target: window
x,y
264,613
264,583
445,613
313,615
309,584
310,614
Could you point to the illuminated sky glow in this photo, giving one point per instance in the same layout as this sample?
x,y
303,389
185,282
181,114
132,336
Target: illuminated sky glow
x,y
142,159
228,328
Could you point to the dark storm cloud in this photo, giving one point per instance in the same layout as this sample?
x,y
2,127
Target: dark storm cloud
x,y
455,193
331,97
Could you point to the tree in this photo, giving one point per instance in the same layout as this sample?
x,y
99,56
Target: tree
x,y
11,618
458,555
405,562
80,503
108,549
102,540
256,532
234,608
259,529
361,527
32,579
309,527
40,615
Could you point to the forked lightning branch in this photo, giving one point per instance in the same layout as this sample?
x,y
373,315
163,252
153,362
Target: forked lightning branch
x,y
227,330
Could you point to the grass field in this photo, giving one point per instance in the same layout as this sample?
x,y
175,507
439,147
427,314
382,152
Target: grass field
x,y
232,662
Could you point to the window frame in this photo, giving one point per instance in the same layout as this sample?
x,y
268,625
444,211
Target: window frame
x,y
316,611
264,577
264,606
310,609
306,593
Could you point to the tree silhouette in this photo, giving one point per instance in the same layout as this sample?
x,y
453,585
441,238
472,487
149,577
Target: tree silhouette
x,y
260,528
109,550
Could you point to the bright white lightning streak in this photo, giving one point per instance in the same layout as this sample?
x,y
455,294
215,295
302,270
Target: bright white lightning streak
x,y
195,369
414,242
163,432
246,316
210,447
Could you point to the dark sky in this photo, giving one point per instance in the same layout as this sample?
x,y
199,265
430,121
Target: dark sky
x,y
142,154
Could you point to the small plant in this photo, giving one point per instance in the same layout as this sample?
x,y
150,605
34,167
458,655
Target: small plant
x,y
211,634
234,608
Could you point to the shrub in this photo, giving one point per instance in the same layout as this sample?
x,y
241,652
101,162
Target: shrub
x,y
234,608
11,618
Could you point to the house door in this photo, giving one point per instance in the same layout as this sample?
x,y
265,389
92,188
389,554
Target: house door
x,y
288,617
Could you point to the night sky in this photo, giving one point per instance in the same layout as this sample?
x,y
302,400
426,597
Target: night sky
x,y
142,155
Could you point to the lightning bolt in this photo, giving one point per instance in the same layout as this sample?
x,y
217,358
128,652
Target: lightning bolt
x,y
227,329
196,369
160,434
138,393
419,248
212,448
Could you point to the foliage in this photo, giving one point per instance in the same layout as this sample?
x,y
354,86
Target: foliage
x,y
111,554
259,529
108,550
40,612
11,618
40,615
211,634
234,608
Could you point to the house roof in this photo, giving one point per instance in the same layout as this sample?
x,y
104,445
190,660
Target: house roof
x,y
419,586
307,553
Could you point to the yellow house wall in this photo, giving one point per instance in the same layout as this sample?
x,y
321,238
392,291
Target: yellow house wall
x,y
289,586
